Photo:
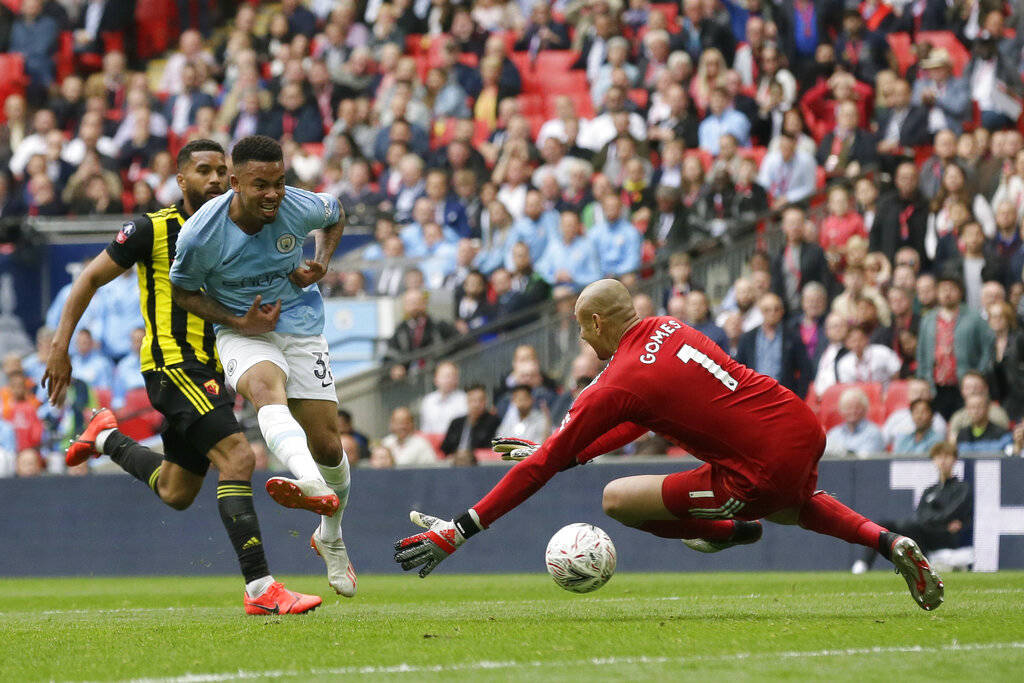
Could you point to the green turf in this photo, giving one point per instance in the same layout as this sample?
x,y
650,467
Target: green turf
x,y
743,626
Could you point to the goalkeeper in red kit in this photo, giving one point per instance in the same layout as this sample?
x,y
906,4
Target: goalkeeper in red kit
x,y
760,444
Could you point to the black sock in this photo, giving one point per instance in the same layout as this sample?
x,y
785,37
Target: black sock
x,y
885,541
134,458
234,500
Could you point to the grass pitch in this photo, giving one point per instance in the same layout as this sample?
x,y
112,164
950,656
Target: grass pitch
x,y
821,626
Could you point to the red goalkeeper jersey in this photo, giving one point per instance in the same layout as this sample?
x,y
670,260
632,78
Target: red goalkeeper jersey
x,y
668,378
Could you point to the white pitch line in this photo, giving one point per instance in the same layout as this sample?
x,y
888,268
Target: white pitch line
x,y
588,600
488,665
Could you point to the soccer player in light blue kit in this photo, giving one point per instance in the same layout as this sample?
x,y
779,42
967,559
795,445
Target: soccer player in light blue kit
x,y
238,251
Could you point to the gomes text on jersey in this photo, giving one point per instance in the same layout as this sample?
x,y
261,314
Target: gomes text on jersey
x,y
233,266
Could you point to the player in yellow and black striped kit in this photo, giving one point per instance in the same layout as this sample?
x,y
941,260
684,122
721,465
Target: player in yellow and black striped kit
x,y
183,379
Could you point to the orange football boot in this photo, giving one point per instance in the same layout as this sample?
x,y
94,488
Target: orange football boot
x,y
279,600
84,446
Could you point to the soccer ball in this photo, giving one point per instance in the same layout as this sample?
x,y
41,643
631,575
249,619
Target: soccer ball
x,y
580,557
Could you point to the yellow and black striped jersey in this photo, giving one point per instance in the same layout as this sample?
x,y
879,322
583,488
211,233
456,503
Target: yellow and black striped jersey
x,y
173,335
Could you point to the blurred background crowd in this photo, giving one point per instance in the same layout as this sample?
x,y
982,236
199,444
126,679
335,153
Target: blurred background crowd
x,y
865,160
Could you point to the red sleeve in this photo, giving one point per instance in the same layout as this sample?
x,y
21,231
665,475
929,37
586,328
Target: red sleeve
x,y
625,433
597,411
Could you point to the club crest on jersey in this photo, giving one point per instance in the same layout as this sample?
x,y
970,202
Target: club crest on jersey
x,y
286,243
126,231
212,388
231,366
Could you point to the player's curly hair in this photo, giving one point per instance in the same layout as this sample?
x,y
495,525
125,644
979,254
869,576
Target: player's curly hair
x,y
256,148
198,145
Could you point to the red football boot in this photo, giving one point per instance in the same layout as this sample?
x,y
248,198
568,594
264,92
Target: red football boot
x,y
279,600
84,446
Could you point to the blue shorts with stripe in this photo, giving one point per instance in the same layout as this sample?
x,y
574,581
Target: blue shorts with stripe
x,y
198,408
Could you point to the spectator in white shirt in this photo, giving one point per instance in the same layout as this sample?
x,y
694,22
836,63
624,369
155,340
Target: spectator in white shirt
x,y
836,328
866,362
524,418
788,174
43,122
445,404
408,447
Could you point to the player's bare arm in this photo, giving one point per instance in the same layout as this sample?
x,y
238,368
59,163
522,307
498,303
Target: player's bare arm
x,y
326,240
57,377
260,317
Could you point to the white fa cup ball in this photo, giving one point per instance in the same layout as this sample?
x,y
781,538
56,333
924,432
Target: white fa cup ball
x,y
580,557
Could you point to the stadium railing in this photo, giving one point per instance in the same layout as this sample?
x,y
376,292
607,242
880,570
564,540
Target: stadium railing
x,y
372,395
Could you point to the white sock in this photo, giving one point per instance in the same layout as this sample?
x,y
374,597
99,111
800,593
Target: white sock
x,y
339,479
101,439
258,587
287,441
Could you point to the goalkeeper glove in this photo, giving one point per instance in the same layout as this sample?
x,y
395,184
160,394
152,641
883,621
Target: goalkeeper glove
x,y
513,448
440,540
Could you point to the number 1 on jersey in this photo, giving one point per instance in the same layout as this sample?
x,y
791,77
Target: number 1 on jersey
x,y
688,353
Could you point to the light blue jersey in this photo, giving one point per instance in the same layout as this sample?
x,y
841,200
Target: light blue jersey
x,y
215,254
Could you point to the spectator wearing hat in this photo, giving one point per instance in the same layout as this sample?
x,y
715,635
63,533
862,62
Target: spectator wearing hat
x,y
946,98
952,340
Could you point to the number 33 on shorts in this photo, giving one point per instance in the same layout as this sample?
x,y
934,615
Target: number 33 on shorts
x,y
322,368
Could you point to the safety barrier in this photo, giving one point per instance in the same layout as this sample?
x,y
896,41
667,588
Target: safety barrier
x,y
112,525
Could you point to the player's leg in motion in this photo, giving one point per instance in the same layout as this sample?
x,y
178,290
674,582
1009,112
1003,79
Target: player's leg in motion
x,y
173,484
643,502
263,385
319,420
825,515
178,487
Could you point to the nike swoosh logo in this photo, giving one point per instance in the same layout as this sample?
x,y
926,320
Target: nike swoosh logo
x,y
231,259
269,610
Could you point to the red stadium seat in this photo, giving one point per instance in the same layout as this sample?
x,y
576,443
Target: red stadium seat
x,y
535,123
157,21
103,396
948,40
531,104
435,441
705,157
556,61
895,397
13,5
65,57
12,66
137,419
314,148
639,97
486,455
557,83
900,44
755,153
481,131
829,412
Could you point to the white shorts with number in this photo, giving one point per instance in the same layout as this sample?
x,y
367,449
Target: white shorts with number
x,y
304,359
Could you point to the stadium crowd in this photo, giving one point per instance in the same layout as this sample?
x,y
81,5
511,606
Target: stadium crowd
x,y
508,153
